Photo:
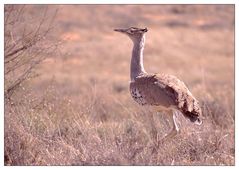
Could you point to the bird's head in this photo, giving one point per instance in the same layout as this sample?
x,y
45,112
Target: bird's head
x,y
133,33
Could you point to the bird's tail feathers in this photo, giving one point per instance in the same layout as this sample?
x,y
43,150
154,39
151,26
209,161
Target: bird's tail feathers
x,y
198,122
193,117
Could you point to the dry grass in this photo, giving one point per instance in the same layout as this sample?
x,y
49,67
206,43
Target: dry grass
x,y
79,112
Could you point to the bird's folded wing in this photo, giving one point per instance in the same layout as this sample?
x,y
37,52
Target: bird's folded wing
x,y
166,90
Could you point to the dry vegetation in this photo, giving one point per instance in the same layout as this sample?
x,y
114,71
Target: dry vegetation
x,y
78,111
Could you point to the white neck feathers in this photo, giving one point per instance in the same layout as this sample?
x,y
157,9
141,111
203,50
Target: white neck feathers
x,y
137,65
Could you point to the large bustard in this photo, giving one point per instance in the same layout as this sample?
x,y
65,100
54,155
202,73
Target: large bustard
x,y
165,92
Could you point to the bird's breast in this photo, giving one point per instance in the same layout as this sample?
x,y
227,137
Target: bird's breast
x,y
137,96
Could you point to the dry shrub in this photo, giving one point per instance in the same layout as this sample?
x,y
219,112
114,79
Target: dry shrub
x,y
26,44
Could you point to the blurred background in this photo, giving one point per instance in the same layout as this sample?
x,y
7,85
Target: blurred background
x,y
66,75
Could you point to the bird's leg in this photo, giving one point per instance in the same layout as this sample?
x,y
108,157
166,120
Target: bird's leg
x,y
153,127
175,129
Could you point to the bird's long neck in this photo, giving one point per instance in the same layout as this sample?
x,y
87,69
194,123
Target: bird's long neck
x,y
137,65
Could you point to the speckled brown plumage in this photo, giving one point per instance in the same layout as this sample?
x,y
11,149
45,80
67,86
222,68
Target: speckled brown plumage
x,y
165,91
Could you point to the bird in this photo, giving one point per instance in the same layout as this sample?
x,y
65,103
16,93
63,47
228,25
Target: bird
x,y
164,92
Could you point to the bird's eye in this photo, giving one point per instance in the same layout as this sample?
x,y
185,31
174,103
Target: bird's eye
x,y
130,31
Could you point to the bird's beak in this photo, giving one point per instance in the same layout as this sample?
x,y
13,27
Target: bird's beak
x,y
120,30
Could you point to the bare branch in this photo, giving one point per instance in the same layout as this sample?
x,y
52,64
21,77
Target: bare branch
x,y
17,50
24,46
